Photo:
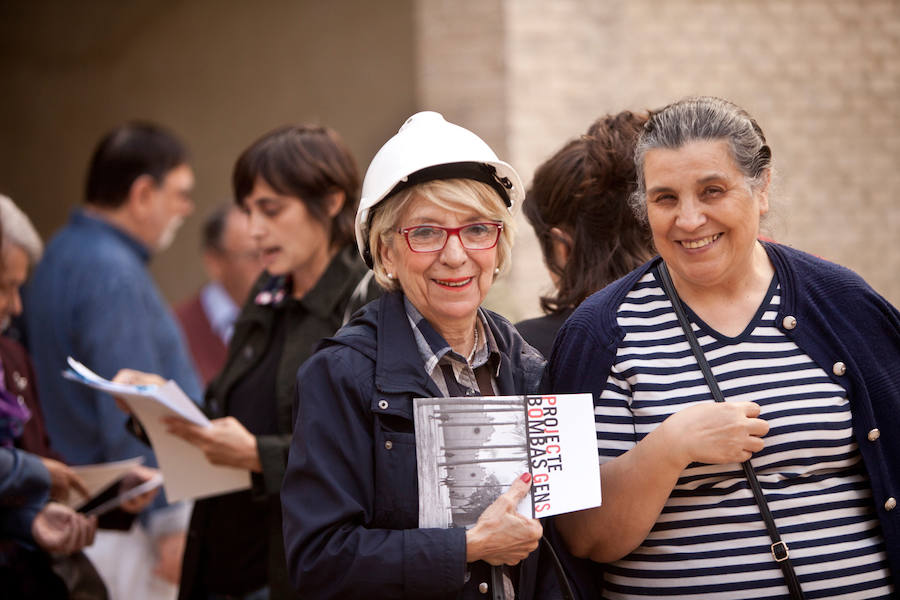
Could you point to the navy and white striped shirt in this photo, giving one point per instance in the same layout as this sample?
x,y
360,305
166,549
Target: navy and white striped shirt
x,y
710,541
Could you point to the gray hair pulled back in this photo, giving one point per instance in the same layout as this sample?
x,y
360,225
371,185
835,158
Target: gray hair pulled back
x,y
697,119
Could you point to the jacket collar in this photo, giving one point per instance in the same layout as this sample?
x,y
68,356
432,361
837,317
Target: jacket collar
x,y
398,366
382,333
785,278
322,300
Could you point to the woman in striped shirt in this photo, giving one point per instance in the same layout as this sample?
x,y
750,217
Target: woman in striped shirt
x,y
812,395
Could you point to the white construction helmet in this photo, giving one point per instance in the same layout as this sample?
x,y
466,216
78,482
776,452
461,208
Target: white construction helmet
x,y
426,148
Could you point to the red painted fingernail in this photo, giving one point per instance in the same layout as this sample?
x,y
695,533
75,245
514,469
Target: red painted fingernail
x,y
526,477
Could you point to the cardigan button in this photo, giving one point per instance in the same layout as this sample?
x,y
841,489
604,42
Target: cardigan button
x,y
789,322
890,504
839,368
383,404
483,587
388,445
874,434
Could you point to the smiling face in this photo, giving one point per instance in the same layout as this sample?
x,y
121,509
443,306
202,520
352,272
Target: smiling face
x,y
703,214
446,286
290,239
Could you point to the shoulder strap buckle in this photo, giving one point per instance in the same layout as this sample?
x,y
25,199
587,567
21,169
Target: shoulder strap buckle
x,y
780,551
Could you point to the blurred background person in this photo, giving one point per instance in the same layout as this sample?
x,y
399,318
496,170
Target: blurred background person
x,y
299,187
31,528
20,251
23,420
578,207
232,264
435,225
92,297
807,357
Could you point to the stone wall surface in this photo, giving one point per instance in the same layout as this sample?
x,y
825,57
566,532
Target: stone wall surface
x,y
822,77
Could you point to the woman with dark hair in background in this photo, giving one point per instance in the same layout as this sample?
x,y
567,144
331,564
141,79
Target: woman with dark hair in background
x,y
578,207
300,189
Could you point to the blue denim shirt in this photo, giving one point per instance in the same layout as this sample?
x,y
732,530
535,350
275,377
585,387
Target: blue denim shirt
x,y
92,297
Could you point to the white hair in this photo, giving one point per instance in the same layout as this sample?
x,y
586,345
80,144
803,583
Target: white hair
x,y
19,231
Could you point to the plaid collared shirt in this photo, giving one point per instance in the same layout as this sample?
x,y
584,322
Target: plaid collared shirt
x,y
437,353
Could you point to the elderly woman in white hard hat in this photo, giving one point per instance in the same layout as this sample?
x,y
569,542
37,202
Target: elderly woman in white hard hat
x,y
434,224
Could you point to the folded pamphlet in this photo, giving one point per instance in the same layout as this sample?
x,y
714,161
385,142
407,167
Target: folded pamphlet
x,y
186,472
470,450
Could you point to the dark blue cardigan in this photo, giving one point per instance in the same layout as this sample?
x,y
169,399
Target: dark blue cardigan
x,y
839,319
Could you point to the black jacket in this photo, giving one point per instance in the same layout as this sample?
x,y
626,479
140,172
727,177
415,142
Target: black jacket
x,y
319,314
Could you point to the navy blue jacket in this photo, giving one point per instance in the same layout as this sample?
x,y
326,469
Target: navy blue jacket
x,y
838,318
349,498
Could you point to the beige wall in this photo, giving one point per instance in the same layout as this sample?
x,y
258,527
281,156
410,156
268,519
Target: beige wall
x,y
220,73
821,76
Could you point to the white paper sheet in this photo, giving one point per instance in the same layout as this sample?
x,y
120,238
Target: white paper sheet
x,y
186,471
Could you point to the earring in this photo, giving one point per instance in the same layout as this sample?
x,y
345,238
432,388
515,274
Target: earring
x,y
390,275
497,271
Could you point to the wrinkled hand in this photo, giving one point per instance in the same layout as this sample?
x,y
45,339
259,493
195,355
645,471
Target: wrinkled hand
x,y
501,536
63,480
138,475
226,442
717,432
60,530
134,377
169,552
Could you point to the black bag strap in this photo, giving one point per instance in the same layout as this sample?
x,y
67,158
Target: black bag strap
x,y
561,577
779,548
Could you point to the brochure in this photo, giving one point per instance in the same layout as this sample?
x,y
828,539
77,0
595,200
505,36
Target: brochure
x,y
186,471
470,450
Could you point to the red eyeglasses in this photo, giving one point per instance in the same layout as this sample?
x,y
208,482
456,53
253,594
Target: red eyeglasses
x,y
432,238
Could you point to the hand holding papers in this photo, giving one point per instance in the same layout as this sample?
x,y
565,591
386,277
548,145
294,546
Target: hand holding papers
x,y
187,472
65,483
121,484
224,442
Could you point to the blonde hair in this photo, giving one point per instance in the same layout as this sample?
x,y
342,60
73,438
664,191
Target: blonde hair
x,y
453,195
